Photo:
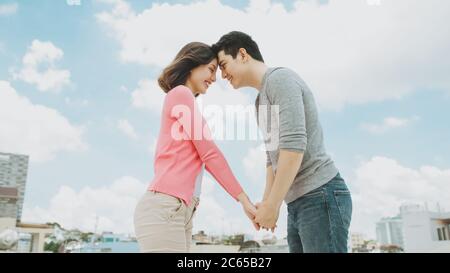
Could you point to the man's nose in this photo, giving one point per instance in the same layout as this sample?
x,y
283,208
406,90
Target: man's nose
x,y
213,77
224,75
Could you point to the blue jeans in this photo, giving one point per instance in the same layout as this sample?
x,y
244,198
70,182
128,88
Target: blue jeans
x,y
318,222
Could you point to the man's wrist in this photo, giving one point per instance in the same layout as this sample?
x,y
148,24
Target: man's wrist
x,y
273,203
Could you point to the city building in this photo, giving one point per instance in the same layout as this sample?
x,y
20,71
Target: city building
x,y
13,177
424,230
416,229
389,231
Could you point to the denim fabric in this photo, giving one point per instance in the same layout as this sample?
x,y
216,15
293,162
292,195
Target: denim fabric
x,y
319,221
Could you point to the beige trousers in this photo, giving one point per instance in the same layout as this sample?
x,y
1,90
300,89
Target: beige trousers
x,y
163,223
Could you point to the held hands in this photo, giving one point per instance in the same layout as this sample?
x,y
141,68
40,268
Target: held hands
x,y
267,215
263,215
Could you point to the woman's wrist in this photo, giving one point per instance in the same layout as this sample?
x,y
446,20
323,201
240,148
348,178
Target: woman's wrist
x,y
243,198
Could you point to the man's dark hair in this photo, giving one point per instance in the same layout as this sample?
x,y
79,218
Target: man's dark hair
x,y
231,43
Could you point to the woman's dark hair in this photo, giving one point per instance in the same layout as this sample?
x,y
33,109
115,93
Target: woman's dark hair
x,y
190,56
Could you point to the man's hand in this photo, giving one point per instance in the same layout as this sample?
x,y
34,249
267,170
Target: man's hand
x,y
257,205
267,215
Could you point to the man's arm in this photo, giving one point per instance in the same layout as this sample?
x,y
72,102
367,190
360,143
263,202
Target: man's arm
x,y
269,182
288,165
284,90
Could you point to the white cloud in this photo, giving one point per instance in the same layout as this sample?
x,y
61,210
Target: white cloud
x,y
216,218
230,114
211,216
354,53
220,93
152,146
381,185
35,130
388,123
113,205
148,96
229,218
38,55
214,104
124,89
76,102
255,165
125,127
8,9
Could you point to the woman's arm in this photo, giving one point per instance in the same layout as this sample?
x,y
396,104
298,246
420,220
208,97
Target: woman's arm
x,y
184,109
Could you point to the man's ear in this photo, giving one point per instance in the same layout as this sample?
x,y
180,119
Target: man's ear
x,y
244,55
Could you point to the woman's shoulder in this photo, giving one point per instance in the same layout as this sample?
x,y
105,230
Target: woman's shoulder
x,y
180,89
180,92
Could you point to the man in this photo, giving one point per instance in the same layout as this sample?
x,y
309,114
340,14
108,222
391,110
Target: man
x,y
298,169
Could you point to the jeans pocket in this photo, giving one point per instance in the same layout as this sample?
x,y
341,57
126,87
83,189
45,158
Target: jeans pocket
x,y
344,204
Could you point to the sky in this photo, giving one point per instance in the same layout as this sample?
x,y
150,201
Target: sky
x,y
78,94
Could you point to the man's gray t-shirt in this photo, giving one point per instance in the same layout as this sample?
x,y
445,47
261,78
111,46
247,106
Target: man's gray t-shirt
x,y
298,129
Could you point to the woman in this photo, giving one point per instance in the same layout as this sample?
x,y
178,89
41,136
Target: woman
x,y
163,216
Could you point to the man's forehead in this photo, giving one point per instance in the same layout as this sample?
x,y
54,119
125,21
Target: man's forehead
x,y
222,55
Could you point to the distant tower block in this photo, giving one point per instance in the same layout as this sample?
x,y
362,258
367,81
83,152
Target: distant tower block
x,y
13,177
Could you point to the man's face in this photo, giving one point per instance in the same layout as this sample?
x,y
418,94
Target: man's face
x,y
232,69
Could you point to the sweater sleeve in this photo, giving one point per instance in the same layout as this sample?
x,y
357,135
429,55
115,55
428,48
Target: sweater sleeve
x,y
285,92
192,126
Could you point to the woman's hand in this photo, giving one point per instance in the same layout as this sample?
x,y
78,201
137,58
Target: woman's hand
x,y
249,208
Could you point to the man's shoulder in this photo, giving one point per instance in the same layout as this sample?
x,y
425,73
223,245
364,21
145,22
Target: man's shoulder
x,y
282,74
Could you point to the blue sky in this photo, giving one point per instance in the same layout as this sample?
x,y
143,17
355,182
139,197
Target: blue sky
x,y
381,112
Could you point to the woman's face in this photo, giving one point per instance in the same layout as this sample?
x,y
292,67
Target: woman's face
x,y
202,77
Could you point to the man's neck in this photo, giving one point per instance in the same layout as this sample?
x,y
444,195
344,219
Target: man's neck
x,y
256,75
